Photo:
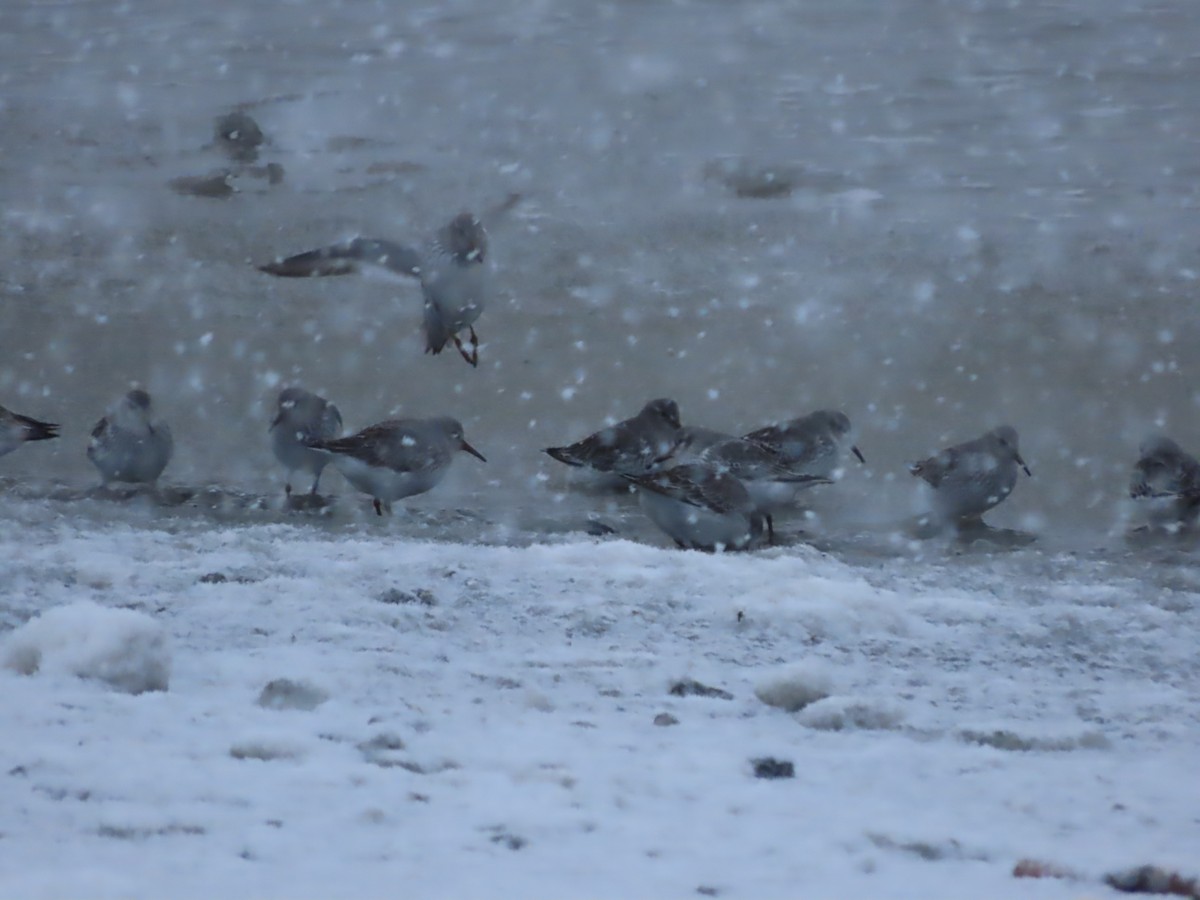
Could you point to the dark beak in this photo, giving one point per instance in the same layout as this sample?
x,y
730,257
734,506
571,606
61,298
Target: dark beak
x,y
278,418
858,453
1020,461
469,449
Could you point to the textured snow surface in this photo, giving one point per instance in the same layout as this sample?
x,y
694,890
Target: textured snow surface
x,y
490,721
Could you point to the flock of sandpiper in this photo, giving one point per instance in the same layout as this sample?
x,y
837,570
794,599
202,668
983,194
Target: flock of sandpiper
x,y
705,489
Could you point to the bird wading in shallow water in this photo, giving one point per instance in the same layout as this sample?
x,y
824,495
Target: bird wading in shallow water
x,y
969,479
398,458
301,419
129,444
631,447
16,430
452,266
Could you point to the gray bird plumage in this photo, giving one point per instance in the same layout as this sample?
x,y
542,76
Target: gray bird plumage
x,y
129,444
398,458
772,479
633,446
812,444
302,419
969,479
695,440
700,507
16,430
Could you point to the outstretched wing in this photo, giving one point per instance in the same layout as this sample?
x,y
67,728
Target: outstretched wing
x,y
343,259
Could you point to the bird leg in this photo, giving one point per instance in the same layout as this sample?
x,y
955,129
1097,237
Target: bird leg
x,y
473,356
378,507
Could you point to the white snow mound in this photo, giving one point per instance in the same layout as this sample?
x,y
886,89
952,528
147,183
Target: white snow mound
x,y
794,686
125,649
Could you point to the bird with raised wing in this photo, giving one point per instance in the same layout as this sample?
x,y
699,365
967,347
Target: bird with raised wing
x,y
452,266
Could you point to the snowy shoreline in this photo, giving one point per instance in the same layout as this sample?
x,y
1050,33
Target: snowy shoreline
x,y
490,722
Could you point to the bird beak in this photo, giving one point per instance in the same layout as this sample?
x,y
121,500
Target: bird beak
x,y
1022,464
858,453
469,449
278,418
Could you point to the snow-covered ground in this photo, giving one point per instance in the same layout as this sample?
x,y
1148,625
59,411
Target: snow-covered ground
x,y
490,722
935,216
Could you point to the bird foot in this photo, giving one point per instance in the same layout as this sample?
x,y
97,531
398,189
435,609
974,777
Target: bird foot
x,y
473,356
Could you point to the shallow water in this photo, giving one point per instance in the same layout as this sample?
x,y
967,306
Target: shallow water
x,y
989,221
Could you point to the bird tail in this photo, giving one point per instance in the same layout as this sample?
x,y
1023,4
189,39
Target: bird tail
x,y
562,454
436,332
313,442
806,480
37,431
